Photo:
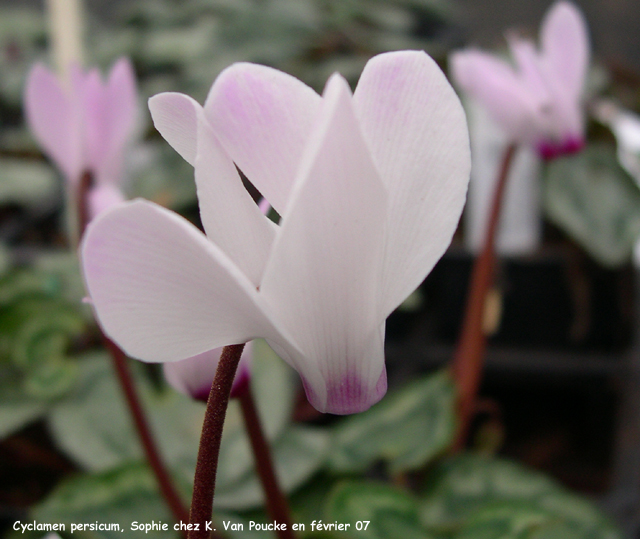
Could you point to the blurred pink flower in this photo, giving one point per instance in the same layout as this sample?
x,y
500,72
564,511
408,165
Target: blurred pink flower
x,y
84,128
369,188
538,101
193,376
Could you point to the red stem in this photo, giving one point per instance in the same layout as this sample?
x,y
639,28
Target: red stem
x,y
169,492
84,186
470,350
204,483
165,482
277,505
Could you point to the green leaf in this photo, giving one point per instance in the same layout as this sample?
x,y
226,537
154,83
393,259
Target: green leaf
x,y
18,284
62,270
407,428
482,497
15,414
94,426
298,453
461,485
122,496
576,509
16,409
5,259
384,511
26,182
512,521
594,201
313,495
35,332
522,520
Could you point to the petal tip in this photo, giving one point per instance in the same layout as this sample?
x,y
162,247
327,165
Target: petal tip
x,y
175,116
348,395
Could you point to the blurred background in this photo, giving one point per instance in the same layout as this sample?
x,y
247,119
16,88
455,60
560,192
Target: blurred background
x,y
561,393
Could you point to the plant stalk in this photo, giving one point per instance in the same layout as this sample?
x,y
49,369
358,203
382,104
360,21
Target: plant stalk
x,y
276,502
167,489
470,350
204,483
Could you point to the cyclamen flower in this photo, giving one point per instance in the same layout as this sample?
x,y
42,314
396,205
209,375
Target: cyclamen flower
x,y
193,376
84,128
537,102
370,188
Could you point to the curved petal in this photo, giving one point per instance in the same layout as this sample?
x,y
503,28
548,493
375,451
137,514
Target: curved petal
x,y
322,279
564,40
263,118
53,120
416,129
231,219
175,116
122,100
528,62
121,106
92,94
557,113
494,84
193,376
161,290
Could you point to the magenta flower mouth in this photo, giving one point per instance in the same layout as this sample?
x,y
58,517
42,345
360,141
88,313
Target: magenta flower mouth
x,y
539,95
348,395
552,150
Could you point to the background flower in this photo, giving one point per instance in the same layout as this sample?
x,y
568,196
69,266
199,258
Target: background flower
x,y
538,101
193,376
84,127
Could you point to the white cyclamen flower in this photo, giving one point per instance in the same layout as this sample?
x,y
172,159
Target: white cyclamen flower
x,y
370,188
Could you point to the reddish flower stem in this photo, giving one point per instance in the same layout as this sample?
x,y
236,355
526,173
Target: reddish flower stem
x,y
169,493
470,349
167,488
204,483
82,205
276,502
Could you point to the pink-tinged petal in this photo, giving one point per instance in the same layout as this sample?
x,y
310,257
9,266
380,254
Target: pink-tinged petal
x,y
495,85
122,101
263,118
416,129
92,94
565,46
53,120
352,392
193,376
322,279
175,116
103,197
161,290
557,115
121,107
528,63
231,219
